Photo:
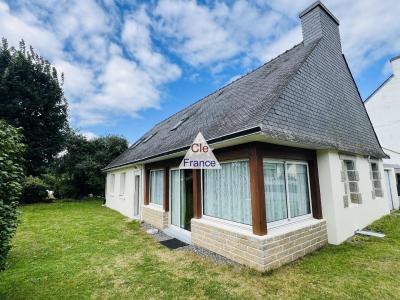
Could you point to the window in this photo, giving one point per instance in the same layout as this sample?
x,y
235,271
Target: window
x,y
226,192
350,179
149,137
112,183
156,186
377,190
181,121
122,183
286,187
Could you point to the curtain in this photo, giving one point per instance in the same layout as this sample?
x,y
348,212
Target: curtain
x,y
275,191
227,192
156,186
175,197
298,190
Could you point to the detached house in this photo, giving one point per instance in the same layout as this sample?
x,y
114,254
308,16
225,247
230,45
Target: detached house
x,y
383,106
301,165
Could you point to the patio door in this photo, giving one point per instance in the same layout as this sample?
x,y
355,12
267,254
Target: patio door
x,y
181,201
136,197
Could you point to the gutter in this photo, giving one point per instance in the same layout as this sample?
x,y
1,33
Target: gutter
x,y
219,139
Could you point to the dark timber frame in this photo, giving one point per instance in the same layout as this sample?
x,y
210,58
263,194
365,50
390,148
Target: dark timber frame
x,y
255,152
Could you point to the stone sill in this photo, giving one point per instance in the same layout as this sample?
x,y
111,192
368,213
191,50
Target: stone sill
x,y
271,234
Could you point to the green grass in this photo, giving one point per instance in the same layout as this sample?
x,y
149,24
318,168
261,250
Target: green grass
x,y
79,250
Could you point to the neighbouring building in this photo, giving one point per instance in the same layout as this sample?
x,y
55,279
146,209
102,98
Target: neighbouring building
x,y
301,164
383,107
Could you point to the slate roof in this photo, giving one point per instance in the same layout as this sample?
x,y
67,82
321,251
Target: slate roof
x,y
240,106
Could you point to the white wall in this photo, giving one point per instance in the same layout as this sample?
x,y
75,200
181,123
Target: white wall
x,y
384,111
343,222
124,203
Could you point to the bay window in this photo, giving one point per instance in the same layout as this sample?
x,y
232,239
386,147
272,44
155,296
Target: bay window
x,y
226,192
287,194
156,186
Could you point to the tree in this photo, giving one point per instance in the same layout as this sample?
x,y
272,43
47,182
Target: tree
x,y
11,176
32,97
79,170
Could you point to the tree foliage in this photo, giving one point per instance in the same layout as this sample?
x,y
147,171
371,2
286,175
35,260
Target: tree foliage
x,y
32,97
34,190
11,176
79,170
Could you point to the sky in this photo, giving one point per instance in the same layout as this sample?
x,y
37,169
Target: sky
x,y
130,64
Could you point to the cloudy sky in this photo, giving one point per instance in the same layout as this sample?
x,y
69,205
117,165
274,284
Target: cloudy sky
x,y
130,64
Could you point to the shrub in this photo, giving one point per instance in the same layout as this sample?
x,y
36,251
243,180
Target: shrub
x,y
34,190
11,175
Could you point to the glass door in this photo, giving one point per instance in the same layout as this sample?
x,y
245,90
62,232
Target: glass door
x,y
181,198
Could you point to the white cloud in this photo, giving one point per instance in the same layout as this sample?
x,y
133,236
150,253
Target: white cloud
x,y
117,63
89,135
84,42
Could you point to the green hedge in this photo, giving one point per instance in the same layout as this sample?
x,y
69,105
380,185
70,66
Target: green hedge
x,y
11,176
34,190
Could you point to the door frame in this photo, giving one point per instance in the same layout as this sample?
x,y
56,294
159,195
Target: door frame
x,y
389,186
173,230
137,172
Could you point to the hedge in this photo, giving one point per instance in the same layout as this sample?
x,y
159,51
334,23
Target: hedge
x,y
11,176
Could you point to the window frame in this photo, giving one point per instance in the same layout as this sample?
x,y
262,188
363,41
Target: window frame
x,y
150,202
347,182
225,221
289,220
122,188
112,184
373,161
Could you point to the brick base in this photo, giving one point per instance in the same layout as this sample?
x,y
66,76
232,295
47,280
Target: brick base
x,y
263,253
155,216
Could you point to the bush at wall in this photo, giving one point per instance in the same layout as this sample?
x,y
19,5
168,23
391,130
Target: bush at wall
x,y
34,190
11,175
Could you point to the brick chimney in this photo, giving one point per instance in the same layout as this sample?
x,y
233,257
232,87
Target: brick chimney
x,y
395,63
318,22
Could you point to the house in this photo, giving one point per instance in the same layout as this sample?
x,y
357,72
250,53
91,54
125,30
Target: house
x,y
383,107
301,165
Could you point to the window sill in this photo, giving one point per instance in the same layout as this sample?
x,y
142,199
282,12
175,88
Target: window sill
x,y
292,226
155,207
246,230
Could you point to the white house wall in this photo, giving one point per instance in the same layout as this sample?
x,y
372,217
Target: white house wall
x,y
384,111
342,221
125,203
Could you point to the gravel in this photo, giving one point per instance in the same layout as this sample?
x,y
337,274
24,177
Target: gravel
x,y
161,236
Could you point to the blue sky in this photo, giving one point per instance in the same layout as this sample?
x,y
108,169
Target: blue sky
x,y
130,64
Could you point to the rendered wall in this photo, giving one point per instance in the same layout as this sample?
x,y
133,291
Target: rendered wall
x,y
342,221
124,203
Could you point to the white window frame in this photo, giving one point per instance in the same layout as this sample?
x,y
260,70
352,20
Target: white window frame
x,y
122,183
224,221
112,184
347,183
152,203
374,161
289,220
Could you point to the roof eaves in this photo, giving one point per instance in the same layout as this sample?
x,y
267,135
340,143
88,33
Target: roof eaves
x,y
379,87
363,103
211,141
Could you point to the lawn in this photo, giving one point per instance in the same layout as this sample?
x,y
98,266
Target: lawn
x,y
79,250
